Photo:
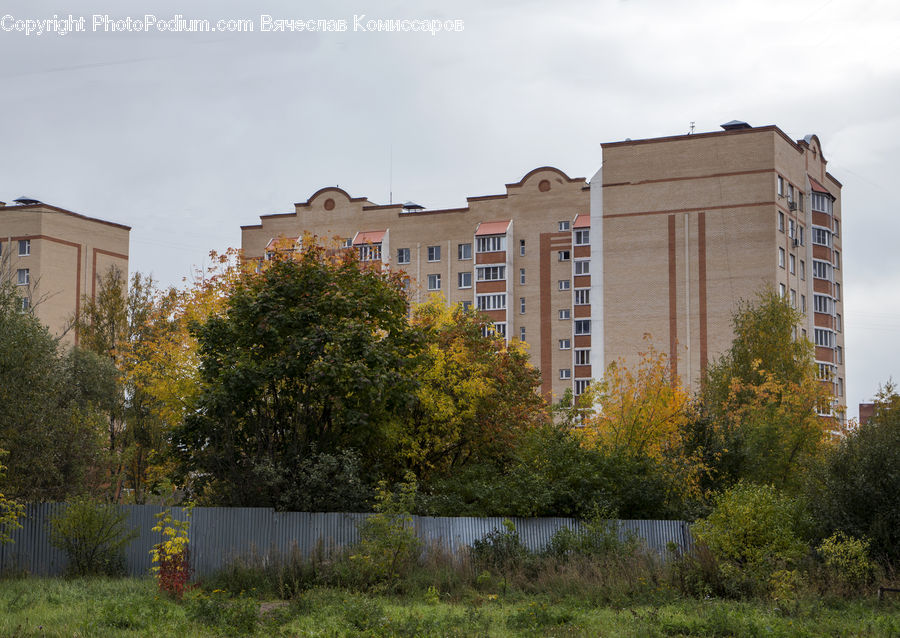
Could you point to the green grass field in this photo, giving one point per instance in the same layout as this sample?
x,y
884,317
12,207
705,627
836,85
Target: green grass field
x,y
132,607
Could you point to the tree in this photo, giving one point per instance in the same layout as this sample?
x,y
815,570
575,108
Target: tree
x,y
855,490
312,355
761,399
10,511
476,394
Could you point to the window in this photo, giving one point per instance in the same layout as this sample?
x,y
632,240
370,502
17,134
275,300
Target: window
x,y
490,244
840,387
803,304
793,262
583,357
565,313
24,247
781,257
583,237
24,304
839,354
825,372
521,305
490,273
793,298
821,269
403,255
837,260
562,226
564,255
521,333
800,235
582,266
582,326
565,344
821,203
270,255
348,243
434,282
583,297
800,200
837,227
823,304
466,306
837,322
565,373
780,186
464,251
821,237
22,276
522,276
824,338
581,385
434,253
781,290
370,252
802,270
563,284
790,192
780,221
464,279
522,247
837,292
491,302
792,228
500,329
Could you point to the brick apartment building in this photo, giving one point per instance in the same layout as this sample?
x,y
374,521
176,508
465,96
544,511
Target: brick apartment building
x,y
54,257
664,241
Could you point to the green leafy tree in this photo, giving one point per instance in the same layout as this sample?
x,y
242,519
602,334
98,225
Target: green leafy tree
x,y
94,536
856,490
10,511
311,355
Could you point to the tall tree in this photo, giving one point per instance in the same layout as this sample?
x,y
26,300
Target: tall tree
x,y
310,356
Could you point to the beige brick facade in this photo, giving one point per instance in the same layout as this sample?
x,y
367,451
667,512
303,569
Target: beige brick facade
x,y
54,257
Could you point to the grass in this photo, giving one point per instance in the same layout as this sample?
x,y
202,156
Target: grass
x,y
132,607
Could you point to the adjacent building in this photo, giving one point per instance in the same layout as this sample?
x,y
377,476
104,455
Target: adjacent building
x,y
661,245
54,258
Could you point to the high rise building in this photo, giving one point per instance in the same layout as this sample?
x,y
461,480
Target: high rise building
x,y
54,257
663,243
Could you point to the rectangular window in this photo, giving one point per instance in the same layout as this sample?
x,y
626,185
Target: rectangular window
x,y
837,227
500,329
370,252
565,373
521,305
837,292
803,304
434,253
348,243
490,244
403,255
780,221
840,387
521,333
780,186
521,247
793,262
491,302
583,297
821,203
793,298
490,273
565,313
434,282
837,260
802,270
582,326
791,228
583,357
563,284
800,235
466,306
582,266
464,251
837,323
781,290
564,255
821,237
821,269
24,304
563,226
522,276
825,372
581,385
790,192
800,201
24,247
464,279
565,344
781,257
583,237
824,338
823,304
839,354
22,276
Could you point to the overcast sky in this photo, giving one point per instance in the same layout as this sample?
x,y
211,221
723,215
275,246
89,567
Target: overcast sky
x,y
187,136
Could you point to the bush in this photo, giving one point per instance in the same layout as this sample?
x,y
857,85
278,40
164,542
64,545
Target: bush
x,y
596,537
500,550
752,532
847,560
93,536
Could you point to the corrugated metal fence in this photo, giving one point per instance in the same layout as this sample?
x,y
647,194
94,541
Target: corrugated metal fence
x,y
221,534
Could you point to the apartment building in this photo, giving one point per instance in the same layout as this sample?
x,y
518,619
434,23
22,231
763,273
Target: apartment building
x,y
668,237
693,223
522,257
54,257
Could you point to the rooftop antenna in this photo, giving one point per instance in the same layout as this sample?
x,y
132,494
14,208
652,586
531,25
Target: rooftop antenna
x,y
692,129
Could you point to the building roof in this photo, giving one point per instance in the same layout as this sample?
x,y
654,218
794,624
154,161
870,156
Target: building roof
x,y
492,228
57,209
817,187
582,221
369,237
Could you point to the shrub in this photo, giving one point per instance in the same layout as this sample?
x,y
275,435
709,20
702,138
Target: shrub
x,y
172,556
93,536
500,550
847,560
596,537
752,533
